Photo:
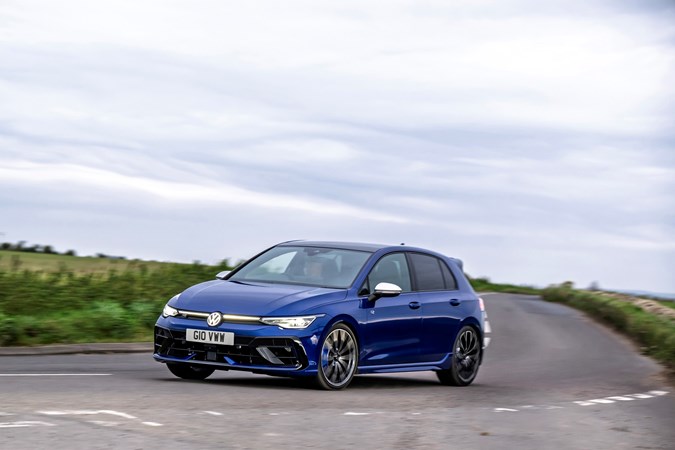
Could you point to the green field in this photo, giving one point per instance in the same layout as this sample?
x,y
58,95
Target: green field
x,y
47,299
485,285
52,298
13,260
668,303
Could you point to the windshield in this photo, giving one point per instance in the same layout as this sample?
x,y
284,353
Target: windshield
x,y
311,266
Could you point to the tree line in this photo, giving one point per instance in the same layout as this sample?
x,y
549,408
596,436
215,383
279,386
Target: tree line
x,y
22,246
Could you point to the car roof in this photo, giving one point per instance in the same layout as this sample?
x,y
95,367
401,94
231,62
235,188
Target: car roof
x,y
361,246
364,247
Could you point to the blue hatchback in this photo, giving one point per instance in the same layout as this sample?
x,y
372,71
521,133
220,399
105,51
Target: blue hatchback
x,y
328,310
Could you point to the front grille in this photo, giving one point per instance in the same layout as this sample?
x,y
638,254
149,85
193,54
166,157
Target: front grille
x,y
280,352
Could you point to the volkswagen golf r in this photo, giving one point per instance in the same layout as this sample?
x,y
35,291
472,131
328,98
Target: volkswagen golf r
x,y
328,310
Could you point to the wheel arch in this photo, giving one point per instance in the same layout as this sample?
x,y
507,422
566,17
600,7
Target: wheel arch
x,y
350,323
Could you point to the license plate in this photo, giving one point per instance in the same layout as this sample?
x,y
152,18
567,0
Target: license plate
x,y
209,337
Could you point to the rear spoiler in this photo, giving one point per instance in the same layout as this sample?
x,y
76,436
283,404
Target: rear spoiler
x,y
459,262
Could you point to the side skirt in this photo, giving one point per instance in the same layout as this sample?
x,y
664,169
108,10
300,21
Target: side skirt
x,y
416,367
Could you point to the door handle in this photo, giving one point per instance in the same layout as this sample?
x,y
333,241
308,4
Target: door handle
x,y
455,302
414,305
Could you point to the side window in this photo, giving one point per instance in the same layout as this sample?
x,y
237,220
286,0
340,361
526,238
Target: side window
x,y
428,273
391,269
450,281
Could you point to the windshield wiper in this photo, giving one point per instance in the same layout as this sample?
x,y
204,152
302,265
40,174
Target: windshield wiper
x,y
239,282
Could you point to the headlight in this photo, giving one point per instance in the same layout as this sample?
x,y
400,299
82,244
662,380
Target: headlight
x,y
290,322
169,311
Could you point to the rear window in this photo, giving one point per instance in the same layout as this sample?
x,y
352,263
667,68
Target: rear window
x,y
449,278
428,273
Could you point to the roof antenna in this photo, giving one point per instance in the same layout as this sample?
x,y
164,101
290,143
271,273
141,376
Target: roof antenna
x,y
402,243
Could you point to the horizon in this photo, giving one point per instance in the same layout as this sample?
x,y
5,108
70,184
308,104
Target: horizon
x,y
234,262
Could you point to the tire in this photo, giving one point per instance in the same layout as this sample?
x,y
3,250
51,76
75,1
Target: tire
x,y
188,372
466,357
338,358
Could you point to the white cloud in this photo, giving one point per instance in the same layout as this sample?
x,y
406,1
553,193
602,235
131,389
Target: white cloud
x,y
495,129
179,193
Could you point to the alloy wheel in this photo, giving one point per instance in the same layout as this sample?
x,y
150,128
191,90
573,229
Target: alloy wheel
x,y
338,357
467,354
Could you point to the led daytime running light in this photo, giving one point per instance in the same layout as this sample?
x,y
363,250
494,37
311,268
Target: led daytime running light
x,y
169,311
296,323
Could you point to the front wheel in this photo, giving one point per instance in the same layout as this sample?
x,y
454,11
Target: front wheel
x,y
188,372
465,359
338,359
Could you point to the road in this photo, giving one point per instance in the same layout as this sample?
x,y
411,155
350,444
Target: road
x,y
551,379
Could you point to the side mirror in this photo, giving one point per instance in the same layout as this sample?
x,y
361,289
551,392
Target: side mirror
x,y
223,274
385,290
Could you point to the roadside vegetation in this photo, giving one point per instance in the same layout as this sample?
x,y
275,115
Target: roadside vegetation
x,y
13,260
47,298
668,303
648,323
485,285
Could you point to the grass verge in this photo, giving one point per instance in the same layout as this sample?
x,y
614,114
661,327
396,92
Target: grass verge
x,y
64,306
668,303
655,334
485,285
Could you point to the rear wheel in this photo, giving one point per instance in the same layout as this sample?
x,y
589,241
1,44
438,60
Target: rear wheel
x,y
339,358
465,359
188,372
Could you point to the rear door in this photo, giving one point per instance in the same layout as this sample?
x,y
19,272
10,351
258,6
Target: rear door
x,y
443,308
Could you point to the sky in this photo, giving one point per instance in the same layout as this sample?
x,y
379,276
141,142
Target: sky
x,y
533,140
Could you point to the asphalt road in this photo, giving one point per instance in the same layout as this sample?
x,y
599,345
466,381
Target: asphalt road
x,y
551,379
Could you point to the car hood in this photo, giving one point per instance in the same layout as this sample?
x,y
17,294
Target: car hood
x,y
255,299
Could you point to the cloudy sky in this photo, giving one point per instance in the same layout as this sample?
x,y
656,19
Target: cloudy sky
x,y
534,140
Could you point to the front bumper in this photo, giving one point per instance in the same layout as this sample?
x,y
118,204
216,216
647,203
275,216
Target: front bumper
x,y
257,348
276,352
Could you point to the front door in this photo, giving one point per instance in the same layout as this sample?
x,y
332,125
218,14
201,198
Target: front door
x,y
393,330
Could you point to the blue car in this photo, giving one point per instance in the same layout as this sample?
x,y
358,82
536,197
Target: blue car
x,y
328,310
